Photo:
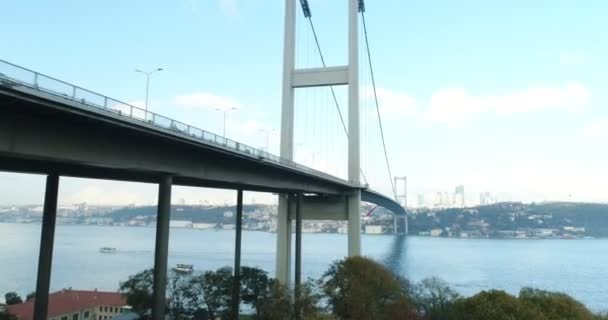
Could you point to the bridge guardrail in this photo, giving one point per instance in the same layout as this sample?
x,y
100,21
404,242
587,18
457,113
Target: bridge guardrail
x,y
12,75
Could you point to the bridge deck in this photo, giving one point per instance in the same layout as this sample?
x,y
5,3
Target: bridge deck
x,y
52,126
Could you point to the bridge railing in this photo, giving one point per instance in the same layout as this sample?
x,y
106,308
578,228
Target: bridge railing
x,y
17,77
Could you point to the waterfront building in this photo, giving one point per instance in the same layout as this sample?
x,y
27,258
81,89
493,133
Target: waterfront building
x,y
436,232
202,226
68,304
374,229
180,224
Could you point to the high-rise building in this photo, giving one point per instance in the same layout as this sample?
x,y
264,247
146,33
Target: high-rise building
x,y
459,196
421,200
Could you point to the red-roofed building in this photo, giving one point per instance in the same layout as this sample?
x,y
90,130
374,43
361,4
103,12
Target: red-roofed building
x,y
71,304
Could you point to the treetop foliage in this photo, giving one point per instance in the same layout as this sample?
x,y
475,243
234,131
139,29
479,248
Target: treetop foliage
x,y
353,288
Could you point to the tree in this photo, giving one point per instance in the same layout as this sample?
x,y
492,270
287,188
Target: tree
x,y
434,298
306,301
255,287
601,316
216,287
555,305
205,296
138,291
30,296
12,298
495,305
183,298
401,309
359,288
277,305
280,302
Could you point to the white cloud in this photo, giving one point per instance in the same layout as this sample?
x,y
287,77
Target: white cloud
x,y
207,100
452,106
392,103
597,129
455,105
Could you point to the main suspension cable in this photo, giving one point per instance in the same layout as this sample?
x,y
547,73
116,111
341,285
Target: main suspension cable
x,y
371,69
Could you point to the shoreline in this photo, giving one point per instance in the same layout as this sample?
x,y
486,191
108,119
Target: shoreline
x,y
333,233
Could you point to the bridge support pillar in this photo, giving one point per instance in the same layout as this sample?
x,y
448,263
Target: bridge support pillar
x,y
354,224
45,259
397,227
236,290
400,224
283,268
354,154
161,250
283,263
298,248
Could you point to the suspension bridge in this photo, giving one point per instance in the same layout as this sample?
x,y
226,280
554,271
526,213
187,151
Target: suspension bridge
x,y
59,129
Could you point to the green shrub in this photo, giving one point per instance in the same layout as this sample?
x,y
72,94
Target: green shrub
x,y
283,303
555,305
493,305
434,298
277,304
306,301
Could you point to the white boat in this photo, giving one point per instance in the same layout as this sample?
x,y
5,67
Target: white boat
x,y
107,250
185,268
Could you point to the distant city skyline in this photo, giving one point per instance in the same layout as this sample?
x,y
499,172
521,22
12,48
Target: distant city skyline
x,y
506,98
28,189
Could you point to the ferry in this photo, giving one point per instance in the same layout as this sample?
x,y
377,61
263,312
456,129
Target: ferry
x,y
107,250
185,268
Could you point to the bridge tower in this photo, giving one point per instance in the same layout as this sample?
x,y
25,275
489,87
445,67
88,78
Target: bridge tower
x,y
317,77
401,195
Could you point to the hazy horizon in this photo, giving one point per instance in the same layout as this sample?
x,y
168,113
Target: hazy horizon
x,y
28,190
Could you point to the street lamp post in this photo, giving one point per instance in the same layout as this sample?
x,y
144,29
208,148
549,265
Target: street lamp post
x,y
148,74
311,156
225,111
267,133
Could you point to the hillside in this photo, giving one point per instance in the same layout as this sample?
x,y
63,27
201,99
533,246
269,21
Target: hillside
x,y
498,220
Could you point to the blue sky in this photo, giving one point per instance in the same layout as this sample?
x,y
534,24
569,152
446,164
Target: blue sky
x,y
506,97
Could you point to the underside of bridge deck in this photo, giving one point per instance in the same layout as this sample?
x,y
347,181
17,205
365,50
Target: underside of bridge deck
x,y
42,136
